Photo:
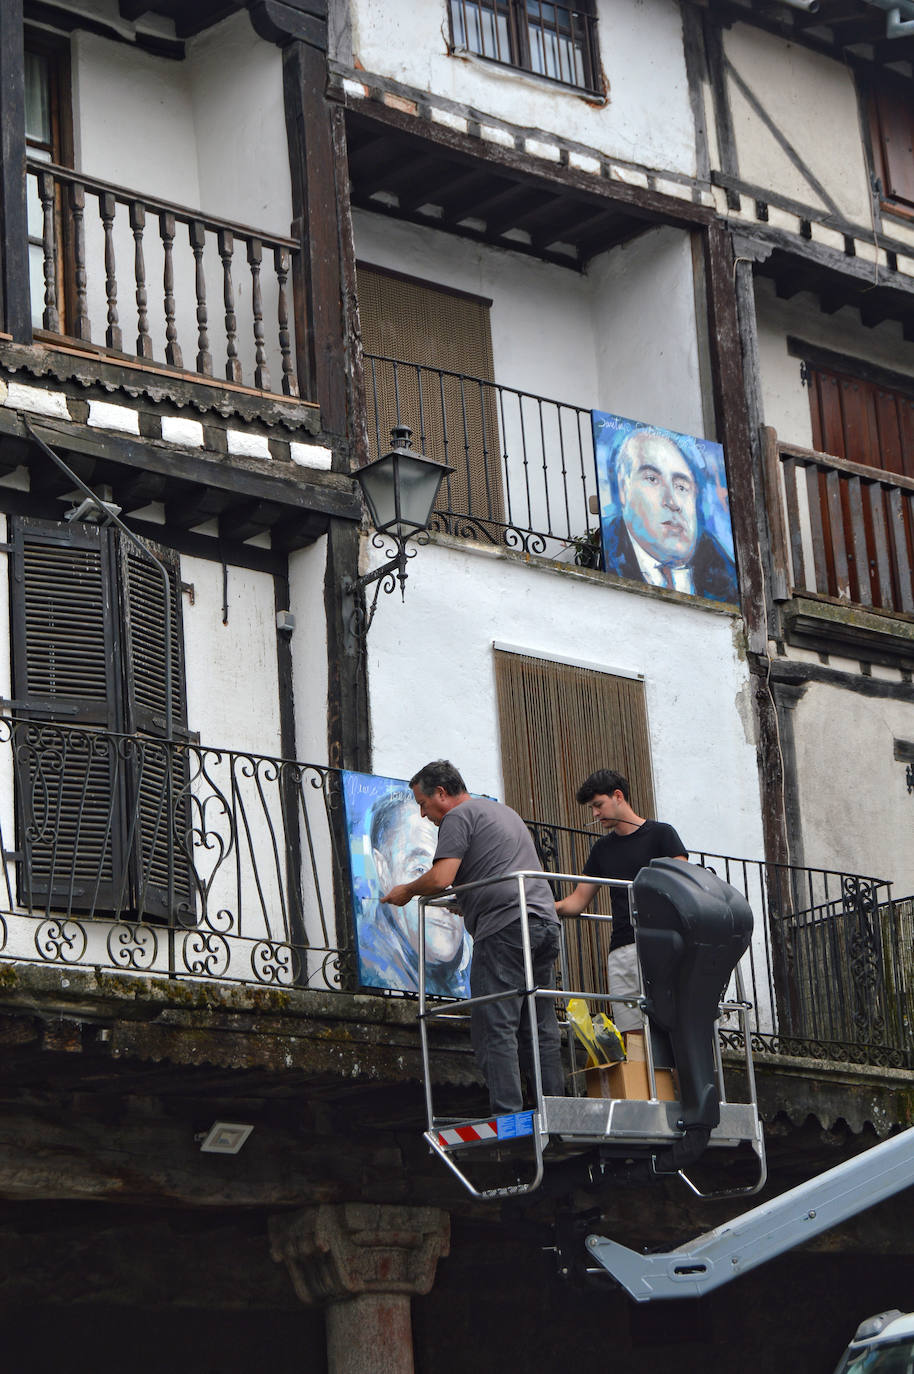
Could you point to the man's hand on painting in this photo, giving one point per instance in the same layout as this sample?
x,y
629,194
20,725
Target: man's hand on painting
x,y
398,896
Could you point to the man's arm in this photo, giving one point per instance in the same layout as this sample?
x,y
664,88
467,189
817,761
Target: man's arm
x,y
441,875
577,900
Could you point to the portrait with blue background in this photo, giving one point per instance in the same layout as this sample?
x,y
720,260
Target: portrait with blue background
x,y
390,843
664,508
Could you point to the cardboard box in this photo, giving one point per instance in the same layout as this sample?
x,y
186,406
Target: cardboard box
x,y
629,1080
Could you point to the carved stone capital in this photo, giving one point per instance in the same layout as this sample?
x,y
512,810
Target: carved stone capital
x,y
335,1252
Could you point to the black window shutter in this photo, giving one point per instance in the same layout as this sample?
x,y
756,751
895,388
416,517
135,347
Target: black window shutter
x,y
158,777
68,783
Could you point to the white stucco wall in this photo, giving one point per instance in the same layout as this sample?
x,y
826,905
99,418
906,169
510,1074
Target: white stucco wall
x,y
232,682
854,819
431,676
645,333
641,55
307,568
207,133
812,101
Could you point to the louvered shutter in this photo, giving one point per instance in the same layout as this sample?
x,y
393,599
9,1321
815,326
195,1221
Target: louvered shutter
x,y
68,793
158,779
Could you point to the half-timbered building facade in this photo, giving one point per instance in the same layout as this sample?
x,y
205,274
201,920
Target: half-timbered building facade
x,y
240,242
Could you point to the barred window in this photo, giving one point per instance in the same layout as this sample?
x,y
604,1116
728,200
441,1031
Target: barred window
x,y
552,40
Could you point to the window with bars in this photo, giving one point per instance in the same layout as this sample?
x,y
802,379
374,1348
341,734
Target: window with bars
x,y
101,797
551,40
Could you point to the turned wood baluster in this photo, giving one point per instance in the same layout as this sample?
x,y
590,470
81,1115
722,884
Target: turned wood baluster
x,y
81,326
138,224
51,316
172,348
226,249
197,231
261,372
282,263
107,207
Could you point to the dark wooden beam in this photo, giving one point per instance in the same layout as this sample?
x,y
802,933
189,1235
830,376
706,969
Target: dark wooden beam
x,y
300,532
193,19
137,490
519,203
513,164
244,522
15,302
316,269
188,505
348,719
336,497
373,156
297,21
410,176
737,402
447,189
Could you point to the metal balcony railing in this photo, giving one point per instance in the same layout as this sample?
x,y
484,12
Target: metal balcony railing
x,y
830,970
101,256
137,854
524,464
840,529
187,861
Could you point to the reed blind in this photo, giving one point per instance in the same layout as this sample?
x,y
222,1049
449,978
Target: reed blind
x,y
440,383
558,723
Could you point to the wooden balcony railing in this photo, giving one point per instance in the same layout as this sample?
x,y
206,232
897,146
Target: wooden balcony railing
x,y
78,265
839,529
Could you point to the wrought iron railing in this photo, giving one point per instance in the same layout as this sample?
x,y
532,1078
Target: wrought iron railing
x,y
524,467
187,861
77,266
169,858
849,529
830,965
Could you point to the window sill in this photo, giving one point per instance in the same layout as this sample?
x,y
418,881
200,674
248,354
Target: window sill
x,y
539,82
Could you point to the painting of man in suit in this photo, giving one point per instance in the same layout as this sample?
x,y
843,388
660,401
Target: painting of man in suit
x,y
664,511
390,843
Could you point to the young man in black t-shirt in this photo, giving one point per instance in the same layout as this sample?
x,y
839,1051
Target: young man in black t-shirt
x,y
628,846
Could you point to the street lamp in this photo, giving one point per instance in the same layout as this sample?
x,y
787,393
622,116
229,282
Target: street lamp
x,y
400,490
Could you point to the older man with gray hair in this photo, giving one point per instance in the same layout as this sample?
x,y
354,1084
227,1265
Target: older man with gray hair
x,y
657,537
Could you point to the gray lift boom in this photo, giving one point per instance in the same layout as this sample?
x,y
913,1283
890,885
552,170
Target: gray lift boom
x,y
764,1232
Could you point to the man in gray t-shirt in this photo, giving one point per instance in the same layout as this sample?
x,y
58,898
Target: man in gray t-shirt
x,y
480,839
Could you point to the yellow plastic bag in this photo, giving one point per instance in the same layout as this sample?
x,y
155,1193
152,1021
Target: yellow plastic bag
x,y
601,1040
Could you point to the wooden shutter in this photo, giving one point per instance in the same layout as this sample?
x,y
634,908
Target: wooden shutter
x,y
864,421
442,386
892,129
103,825
69,808
558,723
157,779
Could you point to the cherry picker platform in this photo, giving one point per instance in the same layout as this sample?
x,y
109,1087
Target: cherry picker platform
x,y
691,931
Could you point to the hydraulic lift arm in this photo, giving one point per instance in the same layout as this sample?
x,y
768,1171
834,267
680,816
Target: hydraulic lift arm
x,y
718,1256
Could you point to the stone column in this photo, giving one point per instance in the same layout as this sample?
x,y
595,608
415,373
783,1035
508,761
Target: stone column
x,y
364,1262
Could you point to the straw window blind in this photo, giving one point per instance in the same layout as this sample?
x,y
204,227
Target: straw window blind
x,y
558,723
429,365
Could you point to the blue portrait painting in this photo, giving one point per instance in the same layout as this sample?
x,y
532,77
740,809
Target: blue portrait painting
x,y
390,843
664,508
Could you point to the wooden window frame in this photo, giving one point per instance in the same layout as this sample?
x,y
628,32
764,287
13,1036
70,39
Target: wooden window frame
x,y
890,100
55,49
518,22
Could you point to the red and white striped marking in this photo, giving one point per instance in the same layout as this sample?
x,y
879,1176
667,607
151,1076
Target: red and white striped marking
x,y
466,1135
